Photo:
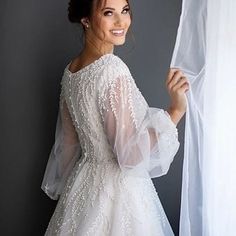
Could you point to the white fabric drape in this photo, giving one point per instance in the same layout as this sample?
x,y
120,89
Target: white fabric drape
x,y
205,50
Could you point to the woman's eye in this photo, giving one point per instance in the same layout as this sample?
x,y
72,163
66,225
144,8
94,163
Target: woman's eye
x,y
126,10
107,13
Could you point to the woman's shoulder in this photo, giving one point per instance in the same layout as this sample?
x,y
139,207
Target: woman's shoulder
x,y
113,64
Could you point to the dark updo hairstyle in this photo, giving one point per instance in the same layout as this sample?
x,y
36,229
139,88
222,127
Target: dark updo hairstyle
x,y
79,9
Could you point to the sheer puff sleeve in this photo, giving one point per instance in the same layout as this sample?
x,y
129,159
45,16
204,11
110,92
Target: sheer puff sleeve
x,y
64,153
144,139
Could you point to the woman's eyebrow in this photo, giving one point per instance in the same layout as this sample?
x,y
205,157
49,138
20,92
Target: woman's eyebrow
x,y
110,8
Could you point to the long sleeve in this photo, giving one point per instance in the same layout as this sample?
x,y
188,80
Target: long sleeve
x,y
64,153
144,139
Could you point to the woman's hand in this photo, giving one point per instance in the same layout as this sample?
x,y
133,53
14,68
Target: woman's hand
x,y
177,84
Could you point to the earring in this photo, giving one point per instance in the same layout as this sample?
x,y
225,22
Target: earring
x,y
85,23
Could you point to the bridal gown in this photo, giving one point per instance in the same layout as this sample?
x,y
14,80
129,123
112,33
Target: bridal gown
x,y
108,145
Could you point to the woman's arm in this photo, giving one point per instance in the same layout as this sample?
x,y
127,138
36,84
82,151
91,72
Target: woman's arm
x,y
64,154
175,115
143,138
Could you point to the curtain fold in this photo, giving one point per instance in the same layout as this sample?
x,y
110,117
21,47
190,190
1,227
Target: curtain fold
x,y
205,50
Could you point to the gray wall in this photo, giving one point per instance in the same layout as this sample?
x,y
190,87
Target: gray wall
x,y
36,42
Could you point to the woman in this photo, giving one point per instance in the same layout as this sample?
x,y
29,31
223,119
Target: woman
x,y
109,142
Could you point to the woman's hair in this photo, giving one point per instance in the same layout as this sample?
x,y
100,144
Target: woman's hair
x,y
79,9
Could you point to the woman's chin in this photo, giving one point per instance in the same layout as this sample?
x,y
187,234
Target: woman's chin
x,y
119,42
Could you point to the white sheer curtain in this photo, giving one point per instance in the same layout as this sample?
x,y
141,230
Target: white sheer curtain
x,y
205,50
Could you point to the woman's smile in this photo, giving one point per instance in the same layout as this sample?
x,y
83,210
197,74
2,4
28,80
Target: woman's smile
x,y
118,32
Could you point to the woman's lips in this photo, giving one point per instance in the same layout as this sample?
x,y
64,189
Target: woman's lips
x,y
119,32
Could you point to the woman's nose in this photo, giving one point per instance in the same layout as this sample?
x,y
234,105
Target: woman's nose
x,y
118,20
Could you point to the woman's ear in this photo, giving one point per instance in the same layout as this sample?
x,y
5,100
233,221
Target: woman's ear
x,y
85,22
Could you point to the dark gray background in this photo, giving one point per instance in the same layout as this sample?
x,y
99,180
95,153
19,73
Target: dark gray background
x,y
36,43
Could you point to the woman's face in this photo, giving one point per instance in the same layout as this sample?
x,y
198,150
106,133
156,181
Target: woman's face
x,y
110,22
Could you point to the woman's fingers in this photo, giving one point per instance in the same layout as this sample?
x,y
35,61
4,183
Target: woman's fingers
x,y
181,81
170,74
175,78
176,81
184,87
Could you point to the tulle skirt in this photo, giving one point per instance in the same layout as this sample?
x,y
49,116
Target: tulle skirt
x,y
100,200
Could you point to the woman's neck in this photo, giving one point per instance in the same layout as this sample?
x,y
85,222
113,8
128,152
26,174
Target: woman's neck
x,y
96,49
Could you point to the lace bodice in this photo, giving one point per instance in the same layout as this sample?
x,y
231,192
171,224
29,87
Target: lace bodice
x,y
84,92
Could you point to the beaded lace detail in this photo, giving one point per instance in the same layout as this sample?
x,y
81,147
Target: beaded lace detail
x,y
98,194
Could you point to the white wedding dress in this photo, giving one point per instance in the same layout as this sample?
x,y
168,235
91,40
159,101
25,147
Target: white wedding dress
x,y
108,145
